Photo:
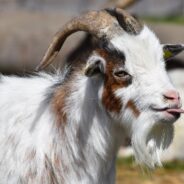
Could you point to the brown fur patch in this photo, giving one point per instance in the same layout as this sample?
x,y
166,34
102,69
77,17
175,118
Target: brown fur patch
x,y
111,83
30,176
112,103
57,161
30,155
131,105
32,171
58,104
50,175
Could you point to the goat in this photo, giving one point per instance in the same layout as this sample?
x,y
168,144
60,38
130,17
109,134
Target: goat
x,y
67,128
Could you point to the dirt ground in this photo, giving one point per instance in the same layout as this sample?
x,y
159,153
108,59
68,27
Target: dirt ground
x,y
129,173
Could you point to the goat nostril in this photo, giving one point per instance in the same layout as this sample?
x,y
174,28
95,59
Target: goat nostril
x,y
171,95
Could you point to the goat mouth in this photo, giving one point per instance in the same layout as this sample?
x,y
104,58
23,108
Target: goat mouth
x,y
170,111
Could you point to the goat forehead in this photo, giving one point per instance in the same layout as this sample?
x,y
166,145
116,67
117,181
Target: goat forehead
x,y
142,51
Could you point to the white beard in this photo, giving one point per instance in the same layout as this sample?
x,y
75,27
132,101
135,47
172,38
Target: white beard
x,y
149,139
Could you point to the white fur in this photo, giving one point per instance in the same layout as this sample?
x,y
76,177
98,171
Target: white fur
x,y
88,143
144,61
87,147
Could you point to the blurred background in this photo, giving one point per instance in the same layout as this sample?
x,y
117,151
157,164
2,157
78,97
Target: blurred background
x,y
27,27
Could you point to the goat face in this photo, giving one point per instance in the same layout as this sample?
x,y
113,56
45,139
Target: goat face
x,y
137,92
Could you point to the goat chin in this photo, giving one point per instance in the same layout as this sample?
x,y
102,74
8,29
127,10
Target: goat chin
x,y
149,139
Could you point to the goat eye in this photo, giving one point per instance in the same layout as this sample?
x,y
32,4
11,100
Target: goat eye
x,y
121,73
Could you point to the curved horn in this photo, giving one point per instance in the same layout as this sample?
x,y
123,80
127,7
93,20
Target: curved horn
x,y
102,24
94,22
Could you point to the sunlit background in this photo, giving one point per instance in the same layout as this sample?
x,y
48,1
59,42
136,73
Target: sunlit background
x,y
27,26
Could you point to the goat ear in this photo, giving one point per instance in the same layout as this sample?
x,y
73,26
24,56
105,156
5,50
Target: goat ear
x,y
95,65
171,50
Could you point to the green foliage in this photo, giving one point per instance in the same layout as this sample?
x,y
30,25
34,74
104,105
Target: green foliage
x,y
174,165
171,19
129,162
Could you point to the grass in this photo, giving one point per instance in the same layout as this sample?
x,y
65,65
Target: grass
x,y
129,173
130,162
170,19
125,161
174,165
